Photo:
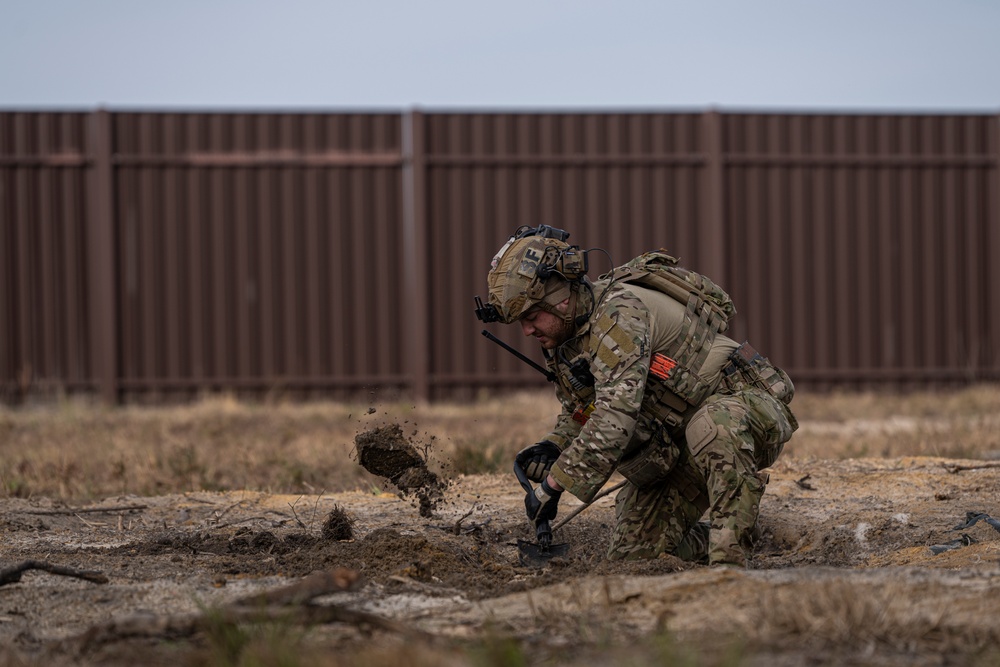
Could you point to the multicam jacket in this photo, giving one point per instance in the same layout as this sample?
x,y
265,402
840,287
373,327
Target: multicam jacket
x,y
622,411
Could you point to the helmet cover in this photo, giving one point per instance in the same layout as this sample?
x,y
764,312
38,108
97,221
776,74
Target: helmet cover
x,y
514,280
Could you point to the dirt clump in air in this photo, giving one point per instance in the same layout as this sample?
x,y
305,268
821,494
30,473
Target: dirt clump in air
x,y
385,452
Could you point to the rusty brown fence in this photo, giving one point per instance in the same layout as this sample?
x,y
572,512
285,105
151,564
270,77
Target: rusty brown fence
x,y
152,255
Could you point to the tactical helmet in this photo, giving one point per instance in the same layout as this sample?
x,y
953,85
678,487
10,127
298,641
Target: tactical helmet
x,y
534,267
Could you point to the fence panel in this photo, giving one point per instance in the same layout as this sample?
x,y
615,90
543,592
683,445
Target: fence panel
x,y
256,252
859,245
143,254
44,282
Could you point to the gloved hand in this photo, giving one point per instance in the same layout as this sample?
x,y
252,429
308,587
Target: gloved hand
x,y
541,503
535,460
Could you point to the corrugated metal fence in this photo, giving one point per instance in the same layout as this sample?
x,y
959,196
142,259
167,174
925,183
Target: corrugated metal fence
x,y
146,255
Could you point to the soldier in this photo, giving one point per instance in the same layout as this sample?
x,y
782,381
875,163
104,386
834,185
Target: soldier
x,y
648,387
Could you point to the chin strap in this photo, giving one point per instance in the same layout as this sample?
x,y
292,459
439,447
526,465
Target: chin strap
x,y
573,292
569,317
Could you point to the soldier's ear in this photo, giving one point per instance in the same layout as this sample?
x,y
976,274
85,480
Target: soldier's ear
x,y
563,305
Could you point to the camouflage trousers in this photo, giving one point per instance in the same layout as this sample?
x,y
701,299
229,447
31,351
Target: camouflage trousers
x,y
727,441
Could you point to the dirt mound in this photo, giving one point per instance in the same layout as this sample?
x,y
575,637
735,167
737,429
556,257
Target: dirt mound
x,y
385,452
471,561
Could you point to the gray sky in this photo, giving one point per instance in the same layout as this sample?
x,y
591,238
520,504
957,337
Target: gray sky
x,y
891,55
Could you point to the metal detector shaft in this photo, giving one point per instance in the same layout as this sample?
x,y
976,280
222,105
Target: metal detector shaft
x,y
551,377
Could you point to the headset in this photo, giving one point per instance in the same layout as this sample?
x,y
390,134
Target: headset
x,y
570,263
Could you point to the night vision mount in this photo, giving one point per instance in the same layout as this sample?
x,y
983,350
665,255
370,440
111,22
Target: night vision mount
x,y
545,231
486,312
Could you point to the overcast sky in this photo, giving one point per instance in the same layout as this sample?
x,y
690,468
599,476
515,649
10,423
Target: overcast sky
x,y
866,55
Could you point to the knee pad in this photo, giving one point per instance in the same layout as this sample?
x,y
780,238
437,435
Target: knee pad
x,y
722,425
700,431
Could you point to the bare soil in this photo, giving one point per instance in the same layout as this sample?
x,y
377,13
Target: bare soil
x,y
873,561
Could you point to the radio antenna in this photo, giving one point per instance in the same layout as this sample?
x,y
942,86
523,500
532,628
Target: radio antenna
x,y
550,376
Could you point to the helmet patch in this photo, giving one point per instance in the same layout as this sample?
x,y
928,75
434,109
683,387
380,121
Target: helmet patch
x,y
529,263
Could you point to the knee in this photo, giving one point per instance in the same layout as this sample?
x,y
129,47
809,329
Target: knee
x,y
717,426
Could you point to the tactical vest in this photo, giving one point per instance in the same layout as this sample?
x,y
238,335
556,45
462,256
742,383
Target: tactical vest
x,y
675,384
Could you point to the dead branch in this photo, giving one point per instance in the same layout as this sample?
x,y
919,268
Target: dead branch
x,y
457,528
302,591
186,625
219,515
292,603
316,505
12,575
803,483
296,514
85,510
195,499
91,524
236,523
954,468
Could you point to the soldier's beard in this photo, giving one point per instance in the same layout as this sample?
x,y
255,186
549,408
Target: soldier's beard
x,y
550,324
564,333
556,333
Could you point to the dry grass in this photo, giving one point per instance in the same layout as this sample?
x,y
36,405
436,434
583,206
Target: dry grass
x,y
956,424
833,613
74,450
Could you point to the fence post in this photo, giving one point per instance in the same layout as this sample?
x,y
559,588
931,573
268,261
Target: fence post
x,y
991,366
415,297
712,242
101,259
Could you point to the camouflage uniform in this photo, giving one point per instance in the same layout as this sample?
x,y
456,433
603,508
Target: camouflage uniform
x,y
650,388
708,461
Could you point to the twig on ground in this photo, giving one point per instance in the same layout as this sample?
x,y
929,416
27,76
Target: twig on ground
x,y
10,575
194,498
85,510
223,513
457,528
195,551
296,514
803,483
236,523
316,505
954,468
454,529
91,524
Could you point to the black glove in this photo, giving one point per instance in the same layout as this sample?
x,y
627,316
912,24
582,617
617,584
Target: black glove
x,y
541,503
536,459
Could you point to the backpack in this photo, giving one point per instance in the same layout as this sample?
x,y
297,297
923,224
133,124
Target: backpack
x,y
659,271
